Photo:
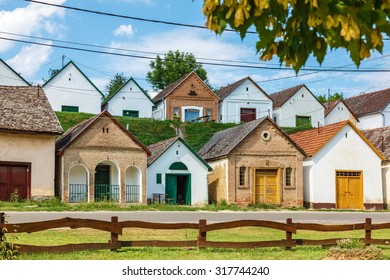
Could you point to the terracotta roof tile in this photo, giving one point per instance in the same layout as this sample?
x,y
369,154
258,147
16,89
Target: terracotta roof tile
x,y
225,91
280,97
380,138
26,109
367,103
312,140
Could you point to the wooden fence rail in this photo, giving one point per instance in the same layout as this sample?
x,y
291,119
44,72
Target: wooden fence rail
x,y
115,229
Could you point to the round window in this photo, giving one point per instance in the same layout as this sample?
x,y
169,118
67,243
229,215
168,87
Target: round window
x,y
265,135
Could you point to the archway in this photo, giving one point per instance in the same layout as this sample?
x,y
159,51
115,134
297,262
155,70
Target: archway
x,y
78,178
133,185
107,180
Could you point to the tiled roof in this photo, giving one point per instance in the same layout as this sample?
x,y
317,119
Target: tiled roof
x,y
280,97
168,89
225,91
329,106
73,133
158,148
367,103
26,109
380,138
312,140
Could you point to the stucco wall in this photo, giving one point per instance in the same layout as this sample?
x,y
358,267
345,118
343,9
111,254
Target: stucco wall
x,y
345,151
9,78
71,88
370,121
247,95
218,181
37,150
178,152
338,114
386,182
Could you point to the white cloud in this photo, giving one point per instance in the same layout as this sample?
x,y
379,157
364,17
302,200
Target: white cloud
x,y
30,59
124,30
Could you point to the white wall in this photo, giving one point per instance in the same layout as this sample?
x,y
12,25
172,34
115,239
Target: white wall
x,y
71,88
78,174
133,176
37,150
199,172
342,153
302,103
386,182
159,112
370,121
9,78
246,93
338,114
130,97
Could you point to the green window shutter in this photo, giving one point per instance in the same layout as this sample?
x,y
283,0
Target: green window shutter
x,y
65,108
303,121
158,178
131,113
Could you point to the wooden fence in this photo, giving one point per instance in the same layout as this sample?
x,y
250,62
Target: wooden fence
x,y
115,228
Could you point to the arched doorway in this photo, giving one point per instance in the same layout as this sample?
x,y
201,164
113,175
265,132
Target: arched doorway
x,y
107,180
178,184
78,184
133,185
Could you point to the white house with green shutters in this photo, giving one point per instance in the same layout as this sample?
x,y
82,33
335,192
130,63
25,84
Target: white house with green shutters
x,y
9,77
130,100
176,174
70,90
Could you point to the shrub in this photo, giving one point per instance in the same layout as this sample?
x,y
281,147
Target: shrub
x,y
353,249
8,250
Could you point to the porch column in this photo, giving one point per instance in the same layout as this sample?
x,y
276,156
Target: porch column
x,y
91,185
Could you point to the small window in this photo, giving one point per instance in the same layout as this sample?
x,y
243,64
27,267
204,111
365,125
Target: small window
x,y
247,88
288,176
158,178
176,111
208,115
65,108
130,113
242,175
275,119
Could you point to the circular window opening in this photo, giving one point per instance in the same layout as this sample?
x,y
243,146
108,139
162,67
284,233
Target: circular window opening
x,y
265,135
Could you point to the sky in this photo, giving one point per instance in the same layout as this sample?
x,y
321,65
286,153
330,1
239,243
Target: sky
x,y
140,41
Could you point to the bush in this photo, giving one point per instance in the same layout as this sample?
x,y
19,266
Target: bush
x,y
8,251
348,249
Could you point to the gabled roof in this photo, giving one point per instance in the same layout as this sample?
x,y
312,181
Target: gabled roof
x,y
313,140
223,142
369,103
380,138
78,69
75,132
281,97
159,148
128,81
26,109
225,91
168,89
12,70
330,105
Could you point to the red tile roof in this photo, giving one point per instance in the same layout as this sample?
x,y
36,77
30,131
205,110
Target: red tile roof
x,y
225,91
313,140
367,103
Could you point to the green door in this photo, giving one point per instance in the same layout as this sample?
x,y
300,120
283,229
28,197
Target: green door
x,y
187,190
102,182
171,188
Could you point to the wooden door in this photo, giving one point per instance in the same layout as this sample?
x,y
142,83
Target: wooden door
x,y
349,190
266,186
247,114
14,178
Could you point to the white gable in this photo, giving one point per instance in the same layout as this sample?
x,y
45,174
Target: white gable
x,y
71,88
339,113
9,77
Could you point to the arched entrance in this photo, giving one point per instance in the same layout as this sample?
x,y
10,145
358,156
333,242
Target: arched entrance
x,y
178,184
78,184
107,180
133,185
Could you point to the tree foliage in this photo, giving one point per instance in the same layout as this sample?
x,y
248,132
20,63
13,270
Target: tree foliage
x,y
330,97
172,67
294,29
115,84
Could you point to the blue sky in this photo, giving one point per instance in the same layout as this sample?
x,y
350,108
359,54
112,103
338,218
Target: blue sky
x,y
149,39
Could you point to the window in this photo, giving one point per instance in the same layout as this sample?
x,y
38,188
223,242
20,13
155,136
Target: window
x,y
130,113
158,178
191,115
288,176
208,115
66,108
176,112
242,175
247,114
303,121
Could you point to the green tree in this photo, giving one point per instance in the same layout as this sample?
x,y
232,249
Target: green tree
x,y
115,84
295,29
172,67
52,73
330,97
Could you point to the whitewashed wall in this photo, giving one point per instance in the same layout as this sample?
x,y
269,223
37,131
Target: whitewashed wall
x,y
198,171
376,120
71,88
247,95
10,78
130,97
302,103
338,114
386,182
159,112
343,153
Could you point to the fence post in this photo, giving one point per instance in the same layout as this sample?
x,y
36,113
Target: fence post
x,y
2,221
367,229
288,234
201,242
114,236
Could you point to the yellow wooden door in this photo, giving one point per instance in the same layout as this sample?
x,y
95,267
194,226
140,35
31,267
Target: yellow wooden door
x,y
266,186
349,190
